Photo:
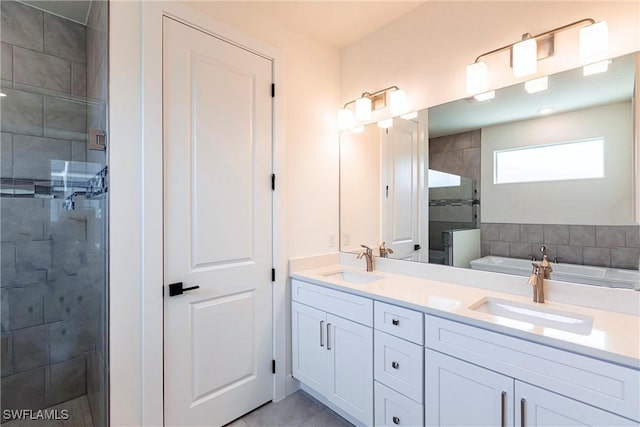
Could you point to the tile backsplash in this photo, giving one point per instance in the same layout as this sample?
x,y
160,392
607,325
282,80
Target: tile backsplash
x,y
604,246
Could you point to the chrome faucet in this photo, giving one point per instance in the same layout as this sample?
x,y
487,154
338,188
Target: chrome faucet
x,y
368,255
384,251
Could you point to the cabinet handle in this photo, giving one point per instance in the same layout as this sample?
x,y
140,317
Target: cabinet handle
x,y
322,333
523,401
503,401
395,322
395,365
396,420
328,338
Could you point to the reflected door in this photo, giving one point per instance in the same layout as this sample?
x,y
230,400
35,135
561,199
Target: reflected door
x,y
400,182
217,224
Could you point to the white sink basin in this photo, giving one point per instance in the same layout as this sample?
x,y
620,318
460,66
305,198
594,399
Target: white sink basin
x,y
357,277
536,314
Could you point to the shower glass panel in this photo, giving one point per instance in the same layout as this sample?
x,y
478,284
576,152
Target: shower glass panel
x,y
54,213
453,205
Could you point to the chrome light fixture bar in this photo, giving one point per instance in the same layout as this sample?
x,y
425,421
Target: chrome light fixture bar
x,y
392,96
527,52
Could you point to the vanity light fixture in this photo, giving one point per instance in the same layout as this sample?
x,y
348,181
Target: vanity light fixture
x,y
525,56
526,53
393,96
537,85
486,96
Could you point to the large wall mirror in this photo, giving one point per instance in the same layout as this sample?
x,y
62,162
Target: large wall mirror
x,y
493,184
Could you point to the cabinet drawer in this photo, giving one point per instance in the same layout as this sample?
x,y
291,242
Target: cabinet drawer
x,y
399,321
352,307
605,385
398,364
393,409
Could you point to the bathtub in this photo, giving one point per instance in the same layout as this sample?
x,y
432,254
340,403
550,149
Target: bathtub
x,y
600,276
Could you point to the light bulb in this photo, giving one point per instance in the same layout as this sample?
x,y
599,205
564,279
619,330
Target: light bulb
x,y
525,57
363,108
594,42
477,78
397,102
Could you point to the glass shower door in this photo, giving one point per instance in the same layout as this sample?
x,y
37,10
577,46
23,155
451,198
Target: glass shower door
x,y
54,210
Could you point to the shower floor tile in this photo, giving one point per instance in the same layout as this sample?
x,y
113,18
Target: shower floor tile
x,y
79,416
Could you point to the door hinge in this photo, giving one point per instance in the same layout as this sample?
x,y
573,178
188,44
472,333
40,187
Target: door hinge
x,y
273,274
273,181
273,366
273,90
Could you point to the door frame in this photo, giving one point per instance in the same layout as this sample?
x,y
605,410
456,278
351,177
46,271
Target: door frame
x,y
150,368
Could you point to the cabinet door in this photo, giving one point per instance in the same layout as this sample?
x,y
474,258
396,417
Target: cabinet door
x,y
539,407
309,346
461,394
351,367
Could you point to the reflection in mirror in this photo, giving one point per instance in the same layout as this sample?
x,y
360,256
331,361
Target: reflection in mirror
x,y
571,190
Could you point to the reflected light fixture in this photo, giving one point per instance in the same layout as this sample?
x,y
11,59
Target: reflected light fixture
x,y
545,110
393,97
2,95
526,53
357,129
537,85
386,123
486,96
409,116
596,67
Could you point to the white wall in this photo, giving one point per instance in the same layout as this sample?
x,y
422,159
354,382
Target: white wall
x,y
360,189
312,98
604,201
426,51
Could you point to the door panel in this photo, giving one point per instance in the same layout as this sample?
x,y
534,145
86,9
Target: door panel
x,y
351,386
400,207
544,408
309,344
217,227
451,384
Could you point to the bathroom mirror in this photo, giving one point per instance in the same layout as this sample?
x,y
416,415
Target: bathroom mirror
x,y
499,179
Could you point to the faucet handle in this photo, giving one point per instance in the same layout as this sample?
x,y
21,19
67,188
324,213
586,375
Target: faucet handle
x,y
556,260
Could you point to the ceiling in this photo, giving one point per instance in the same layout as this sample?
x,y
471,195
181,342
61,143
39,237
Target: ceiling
x,y
338,23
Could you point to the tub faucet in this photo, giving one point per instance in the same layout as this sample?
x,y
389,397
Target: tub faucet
x,y
384,251
368,255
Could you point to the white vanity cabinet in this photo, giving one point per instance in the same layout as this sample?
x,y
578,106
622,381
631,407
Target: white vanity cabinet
x,y
458,393
505,381
332,347
398,366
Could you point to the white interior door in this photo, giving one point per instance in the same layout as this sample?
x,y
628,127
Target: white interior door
x,y
400,198
217,228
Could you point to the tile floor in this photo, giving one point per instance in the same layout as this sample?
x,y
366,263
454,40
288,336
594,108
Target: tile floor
x,y
79,416
297,410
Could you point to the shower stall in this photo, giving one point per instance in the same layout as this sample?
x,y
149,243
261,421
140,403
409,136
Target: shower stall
x,y
54,213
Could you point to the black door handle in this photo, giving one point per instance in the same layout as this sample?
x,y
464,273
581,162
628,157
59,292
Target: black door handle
x,y
177,289
417,247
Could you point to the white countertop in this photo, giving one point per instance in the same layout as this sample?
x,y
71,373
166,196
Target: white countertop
x,y
614,336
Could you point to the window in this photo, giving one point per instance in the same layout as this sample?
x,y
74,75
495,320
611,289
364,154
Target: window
x,y
439,179
554,162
